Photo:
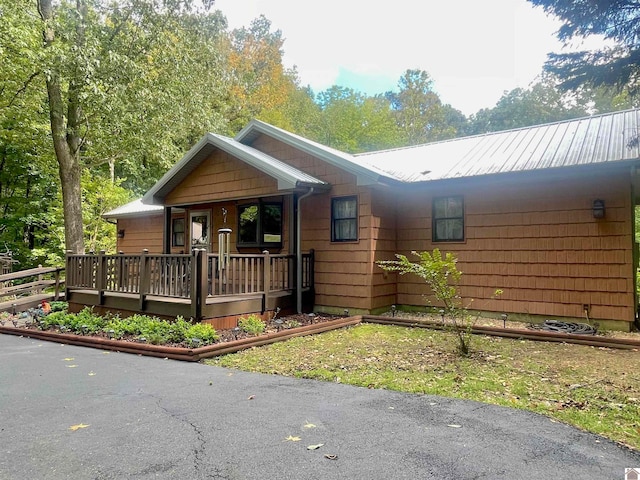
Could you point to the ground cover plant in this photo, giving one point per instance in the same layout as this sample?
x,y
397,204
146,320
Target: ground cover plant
x,y
596,389
141,328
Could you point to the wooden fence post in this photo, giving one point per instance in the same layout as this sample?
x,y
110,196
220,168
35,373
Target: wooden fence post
x,y
145,273
39,288
266,280
56,292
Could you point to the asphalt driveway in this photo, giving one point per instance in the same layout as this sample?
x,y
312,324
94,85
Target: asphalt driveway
x,y
78,413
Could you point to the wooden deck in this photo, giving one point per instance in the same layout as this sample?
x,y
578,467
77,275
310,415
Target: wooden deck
x,y
199,286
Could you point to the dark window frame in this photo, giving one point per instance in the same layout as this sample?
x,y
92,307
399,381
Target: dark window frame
x,y
174,238
260,225
447,218
334,231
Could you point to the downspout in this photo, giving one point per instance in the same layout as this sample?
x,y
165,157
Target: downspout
x,y
299,252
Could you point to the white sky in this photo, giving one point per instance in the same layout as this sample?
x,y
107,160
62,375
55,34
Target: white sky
x,y
473,49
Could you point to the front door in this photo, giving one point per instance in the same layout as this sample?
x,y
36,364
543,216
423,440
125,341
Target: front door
x,y
201,230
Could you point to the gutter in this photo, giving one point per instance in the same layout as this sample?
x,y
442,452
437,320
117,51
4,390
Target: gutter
x,y
299,252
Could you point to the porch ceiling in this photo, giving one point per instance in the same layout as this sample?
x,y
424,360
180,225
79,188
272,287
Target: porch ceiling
x,y
288,177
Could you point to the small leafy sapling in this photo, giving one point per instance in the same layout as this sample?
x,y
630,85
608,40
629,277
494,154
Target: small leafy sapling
x,y
442,276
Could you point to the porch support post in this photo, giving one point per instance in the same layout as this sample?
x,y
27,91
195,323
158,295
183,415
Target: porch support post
x,y
166,240
299,252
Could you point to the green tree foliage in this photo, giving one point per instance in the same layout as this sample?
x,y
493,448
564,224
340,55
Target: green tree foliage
x,y
542,103
260,86
119,75
352,122
617,66
27,177
419,112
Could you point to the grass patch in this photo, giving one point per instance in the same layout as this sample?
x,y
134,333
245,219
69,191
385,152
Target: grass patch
x,y
596,389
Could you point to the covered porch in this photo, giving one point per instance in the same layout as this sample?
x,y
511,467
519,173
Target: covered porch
x,y
203,286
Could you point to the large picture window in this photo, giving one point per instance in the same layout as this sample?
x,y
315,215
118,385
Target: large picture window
x,y
260,225
344,219
448,219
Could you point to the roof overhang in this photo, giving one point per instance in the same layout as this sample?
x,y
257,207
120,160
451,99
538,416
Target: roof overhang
x,y
365,175
287,177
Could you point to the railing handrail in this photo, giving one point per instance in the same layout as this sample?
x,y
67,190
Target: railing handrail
x,y
31,272
192,275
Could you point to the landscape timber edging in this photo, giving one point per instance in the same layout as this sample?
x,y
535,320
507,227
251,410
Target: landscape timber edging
x,y
182,353
519,333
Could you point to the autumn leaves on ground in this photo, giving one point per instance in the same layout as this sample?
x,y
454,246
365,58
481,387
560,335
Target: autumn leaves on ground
x,y
595,389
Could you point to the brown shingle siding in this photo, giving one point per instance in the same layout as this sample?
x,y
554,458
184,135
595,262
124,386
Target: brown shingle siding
x,y
539,243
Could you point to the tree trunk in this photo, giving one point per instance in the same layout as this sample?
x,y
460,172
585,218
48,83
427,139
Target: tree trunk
x,y
66,139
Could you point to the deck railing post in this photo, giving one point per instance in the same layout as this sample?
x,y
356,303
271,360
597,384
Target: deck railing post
x,y
145,273
69,272
101,276
266,280
199,279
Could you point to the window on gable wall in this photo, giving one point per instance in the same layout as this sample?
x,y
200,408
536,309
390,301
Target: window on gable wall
x,y
260,225
344,219
448,219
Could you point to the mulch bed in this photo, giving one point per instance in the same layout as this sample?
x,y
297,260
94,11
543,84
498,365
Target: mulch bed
x,y
228,335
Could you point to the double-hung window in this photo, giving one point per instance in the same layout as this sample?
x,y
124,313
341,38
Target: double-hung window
x,y
177,232
448,219
344,219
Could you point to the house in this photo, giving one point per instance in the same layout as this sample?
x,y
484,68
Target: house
x,y
544,213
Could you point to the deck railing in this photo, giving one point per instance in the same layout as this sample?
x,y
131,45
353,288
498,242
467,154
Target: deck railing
x,y
186,276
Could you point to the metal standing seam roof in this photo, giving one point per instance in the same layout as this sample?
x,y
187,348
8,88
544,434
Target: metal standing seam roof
x,y
288,177
585,141
133,209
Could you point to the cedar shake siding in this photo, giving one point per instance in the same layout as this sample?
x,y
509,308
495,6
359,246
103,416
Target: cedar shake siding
x,y
343,277
537,240
140,233
221,178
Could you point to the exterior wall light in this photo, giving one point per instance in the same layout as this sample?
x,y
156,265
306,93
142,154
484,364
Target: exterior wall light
x,y
120,233
598,209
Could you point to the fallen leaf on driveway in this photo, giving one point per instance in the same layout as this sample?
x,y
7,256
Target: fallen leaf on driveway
x,y
315,447
330,456
72,366
73,428
292,439
309,425
68,359
91,374
454,426
251,397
